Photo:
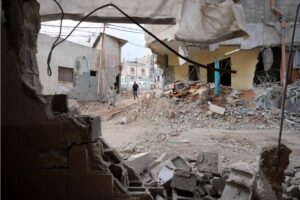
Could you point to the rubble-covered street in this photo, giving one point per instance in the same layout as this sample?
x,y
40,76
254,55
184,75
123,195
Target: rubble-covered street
x,y
162,125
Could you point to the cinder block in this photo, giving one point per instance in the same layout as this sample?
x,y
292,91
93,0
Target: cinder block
x,y
139,162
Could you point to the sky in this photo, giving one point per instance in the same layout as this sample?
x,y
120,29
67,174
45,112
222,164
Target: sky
x,y
135,48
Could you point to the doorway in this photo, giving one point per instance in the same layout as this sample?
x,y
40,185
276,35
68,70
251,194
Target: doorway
x,y
225,79
193,73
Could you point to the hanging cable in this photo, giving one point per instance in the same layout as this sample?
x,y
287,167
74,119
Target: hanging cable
x,y
49,71
285,87
135,22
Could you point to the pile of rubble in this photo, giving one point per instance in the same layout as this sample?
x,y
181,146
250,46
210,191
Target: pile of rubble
x,y
292,182
177,178
232,109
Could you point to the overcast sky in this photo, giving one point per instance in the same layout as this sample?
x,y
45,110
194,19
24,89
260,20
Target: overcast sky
x,y
135,48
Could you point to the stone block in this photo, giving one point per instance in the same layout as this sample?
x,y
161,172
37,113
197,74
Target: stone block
x,y
239,185
216,109
208,162
180,163
139,162
184,180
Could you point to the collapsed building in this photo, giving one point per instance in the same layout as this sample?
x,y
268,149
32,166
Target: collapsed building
x,y
261,56
48,152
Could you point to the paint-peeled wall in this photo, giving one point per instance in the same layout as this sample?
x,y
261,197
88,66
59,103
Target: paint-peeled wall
x,y
67,54
244,62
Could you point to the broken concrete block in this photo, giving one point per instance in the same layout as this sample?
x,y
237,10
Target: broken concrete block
x,y
184,180
165,175
239,185
156,170
216,109
139,162
208,162
180,163
218,184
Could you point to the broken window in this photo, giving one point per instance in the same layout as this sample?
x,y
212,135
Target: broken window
x,y
132,70
93,73
65,74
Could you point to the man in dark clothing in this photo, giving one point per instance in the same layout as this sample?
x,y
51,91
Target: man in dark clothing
x,y
135,87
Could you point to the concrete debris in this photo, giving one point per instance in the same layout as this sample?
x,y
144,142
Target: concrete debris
x,y
165,175
139,162
291,186
123,120
216,109
180,176
208,162
239,185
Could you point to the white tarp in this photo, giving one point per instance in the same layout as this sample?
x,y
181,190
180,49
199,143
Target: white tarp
x,y
151,11
207,23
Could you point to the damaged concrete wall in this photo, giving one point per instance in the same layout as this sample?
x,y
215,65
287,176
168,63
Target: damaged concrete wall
x,y
244,62
48,153
110,63
68,54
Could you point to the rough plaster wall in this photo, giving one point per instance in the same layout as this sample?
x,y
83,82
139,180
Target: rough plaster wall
x,y
71,52
85,88
244,63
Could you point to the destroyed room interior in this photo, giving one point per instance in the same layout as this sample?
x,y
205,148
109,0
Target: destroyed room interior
x,y
150,100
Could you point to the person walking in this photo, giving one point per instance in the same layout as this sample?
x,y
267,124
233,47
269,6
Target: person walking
x,y
111,97
135,87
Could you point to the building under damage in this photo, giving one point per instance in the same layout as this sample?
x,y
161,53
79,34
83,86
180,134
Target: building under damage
x,y
84,73
261,56
50,153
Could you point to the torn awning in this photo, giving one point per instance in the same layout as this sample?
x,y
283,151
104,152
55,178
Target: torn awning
x,y
207,23
154,11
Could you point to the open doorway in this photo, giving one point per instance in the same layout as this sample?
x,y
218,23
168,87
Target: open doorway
x,y
225,64
271,75
193,73
117,84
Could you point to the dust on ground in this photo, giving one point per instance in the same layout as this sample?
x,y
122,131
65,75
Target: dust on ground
x,y
162,124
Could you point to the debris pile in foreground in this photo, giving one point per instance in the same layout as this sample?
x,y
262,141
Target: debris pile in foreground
x,y
204,178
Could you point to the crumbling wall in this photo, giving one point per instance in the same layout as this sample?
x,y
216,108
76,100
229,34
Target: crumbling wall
x,y
244,62
48,153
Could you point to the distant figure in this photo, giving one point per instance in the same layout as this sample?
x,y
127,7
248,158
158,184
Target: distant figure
x,y
111,97
135,88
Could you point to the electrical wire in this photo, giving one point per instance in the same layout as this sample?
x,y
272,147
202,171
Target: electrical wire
x,y
135,22
285,87
49,71
113,25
